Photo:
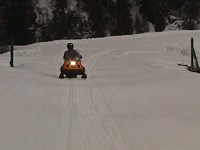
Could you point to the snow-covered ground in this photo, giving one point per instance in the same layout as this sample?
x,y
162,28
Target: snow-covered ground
x,y
136,96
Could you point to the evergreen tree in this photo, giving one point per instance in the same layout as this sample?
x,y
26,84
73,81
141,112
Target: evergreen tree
x,y
174,4
191,11
123,18
44,25
68,23
155,11
83,26
3,22
60,22
96,18
73,26
109,16
21,21
141,25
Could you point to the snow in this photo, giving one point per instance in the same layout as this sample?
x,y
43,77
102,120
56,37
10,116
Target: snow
x,y
72,4
136,97
43,9
177,25
151,27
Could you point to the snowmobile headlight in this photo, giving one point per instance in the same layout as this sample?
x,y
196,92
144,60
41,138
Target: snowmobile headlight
x,y
73,63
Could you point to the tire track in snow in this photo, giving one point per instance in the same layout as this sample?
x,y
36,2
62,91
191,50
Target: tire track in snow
x,y
70,96
98,102
90,131
91,120
112,124
73,139
94,96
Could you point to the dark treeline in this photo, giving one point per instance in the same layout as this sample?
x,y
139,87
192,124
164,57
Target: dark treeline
x,y
29,23
17,19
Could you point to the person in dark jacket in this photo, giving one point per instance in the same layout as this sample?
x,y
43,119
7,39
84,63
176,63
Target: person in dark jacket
x,y
71,53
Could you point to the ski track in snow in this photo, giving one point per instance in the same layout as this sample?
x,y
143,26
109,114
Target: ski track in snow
x,y
135,96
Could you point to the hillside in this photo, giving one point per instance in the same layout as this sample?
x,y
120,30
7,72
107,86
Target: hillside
x,y
135,97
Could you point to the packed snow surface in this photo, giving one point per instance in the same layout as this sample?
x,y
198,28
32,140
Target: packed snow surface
x,y
136,96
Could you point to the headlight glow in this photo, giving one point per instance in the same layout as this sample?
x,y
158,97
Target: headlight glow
x,y
73,63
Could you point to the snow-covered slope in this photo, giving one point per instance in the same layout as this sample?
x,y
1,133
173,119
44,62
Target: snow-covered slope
x,y
136,97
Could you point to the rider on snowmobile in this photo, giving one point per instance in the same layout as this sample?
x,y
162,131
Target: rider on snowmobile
x,y
71,53
68,55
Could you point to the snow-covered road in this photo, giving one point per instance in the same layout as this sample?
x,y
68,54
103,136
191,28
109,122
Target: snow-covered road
x,y
136,97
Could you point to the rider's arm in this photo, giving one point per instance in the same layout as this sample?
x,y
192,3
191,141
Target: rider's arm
x,y
64,56
78,54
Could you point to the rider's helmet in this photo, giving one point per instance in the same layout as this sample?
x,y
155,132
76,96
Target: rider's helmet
x,y
70,46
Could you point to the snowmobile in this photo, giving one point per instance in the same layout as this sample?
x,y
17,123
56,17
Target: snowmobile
x,y
71,68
